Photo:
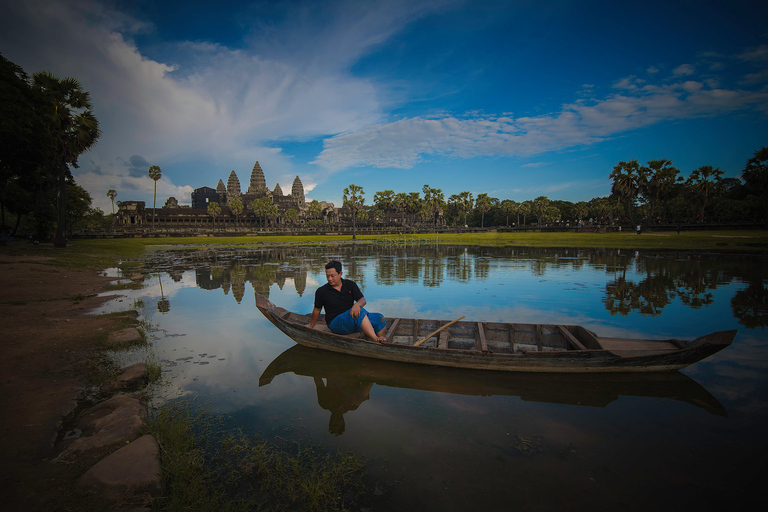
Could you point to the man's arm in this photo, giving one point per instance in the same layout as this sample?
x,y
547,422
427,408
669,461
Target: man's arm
x,y
355,311
315,316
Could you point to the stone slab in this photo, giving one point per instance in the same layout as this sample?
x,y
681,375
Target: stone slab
x,y
132,376
127,335
129,471
113,421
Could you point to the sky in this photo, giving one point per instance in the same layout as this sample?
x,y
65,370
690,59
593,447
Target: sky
x,y
516,99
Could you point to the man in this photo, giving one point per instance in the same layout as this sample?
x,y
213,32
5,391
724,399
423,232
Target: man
x,y
343,302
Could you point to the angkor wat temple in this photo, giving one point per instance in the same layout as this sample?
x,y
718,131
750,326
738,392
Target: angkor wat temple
x,y
136,214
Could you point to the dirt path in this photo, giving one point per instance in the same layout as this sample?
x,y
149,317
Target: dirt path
x,y
45,338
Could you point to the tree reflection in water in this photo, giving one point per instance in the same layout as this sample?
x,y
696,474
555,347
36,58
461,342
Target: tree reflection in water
x,y
643,282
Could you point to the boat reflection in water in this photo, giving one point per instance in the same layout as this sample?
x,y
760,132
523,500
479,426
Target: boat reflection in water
x,y
343,382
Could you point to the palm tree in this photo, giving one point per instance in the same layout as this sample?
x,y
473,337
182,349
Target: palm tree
x,y
384,201
656,181
483,204
581,210
755,176
540,205
466,203
508,207
706,183
354,201
236,207
75,129
291,216
434,200
625,177
155,173
214,210
112,194
264,209
314,209
525,209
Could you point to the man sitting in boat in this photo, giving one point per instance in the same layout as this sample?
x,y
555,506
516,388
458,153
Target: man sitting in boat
x,y
343,302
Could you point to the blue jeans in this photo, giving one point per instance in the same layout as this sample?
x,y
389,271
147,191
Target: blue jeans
x,y
345,324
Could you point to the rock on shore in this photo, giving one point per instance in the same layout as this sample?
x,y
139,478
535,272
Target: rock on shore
x,y
113,421
130,471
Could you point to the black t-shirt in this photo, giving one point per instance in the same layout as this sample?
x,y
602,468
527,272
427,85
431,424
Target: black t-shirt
x,y
336,302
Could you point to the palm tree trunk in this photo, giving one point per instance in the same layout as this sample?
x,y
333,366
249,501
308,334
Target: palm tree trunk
x,y
61,233
154,198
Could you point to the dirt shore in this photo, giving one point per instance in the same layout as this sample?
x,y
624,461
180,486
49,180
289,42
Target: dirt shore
x,y
47,338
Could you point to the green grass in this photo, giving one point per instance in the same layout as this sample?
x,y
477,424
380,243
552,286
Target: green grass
x,y
205,470
128,252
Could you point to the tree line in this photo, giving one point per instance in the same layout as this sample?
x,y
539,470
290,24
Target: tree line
x,y
654,193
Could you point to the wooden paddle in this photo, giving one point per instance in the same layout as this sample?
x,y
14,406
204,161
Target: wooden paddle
x,y
425,338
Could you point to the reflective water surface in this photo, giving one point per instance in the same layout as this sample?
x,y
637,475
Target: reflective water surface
x,y
450,439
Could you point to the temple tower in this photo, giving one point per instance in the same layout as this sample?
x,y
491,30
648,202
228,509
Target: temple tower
x,y
222,191
233,187
258,184
297,192
278,192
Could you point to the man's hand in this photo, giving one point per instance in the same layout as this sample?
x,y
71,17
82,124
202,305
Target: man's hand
x,y
314,318
355,311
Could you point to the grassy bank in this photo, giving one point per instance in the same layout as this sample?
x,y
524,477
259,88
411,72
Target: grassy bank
x,y
105,253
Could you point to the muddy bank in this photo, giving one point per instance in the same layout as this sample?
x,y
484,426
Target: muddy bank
x,y
45,353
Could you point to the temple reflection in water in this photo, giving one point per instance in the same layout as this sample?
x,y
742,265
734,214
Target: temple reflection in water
x,y
640,282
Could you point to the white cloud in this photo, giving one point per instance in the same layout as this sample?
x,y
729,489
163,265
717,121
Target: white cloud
x,y
683,70
215,104
756,54
403,143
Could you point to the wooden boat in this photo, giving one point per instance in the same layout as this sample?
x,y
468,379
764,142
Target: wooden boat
x,y
513,347
578,389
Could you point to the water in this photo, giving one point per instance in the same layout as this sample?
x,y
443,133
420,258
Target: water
x,y
462,440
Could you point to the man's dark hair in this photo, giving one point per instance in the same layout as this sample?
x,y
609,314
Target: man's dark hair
x,y
334,264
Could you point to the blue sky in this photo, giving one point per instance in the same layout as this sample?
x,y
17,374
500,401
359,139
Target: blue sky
x,y
513,98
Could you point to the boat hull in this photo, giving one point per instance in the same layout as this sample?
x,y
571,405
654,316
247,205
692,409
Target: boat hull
x,y
649,356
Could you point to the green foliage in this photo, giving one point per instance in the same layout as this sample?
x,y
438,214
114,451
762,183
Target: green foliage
x,y
237,208
206,471
298,478
483,204
75,130
264,209
214,210
354,202
27,146
434,202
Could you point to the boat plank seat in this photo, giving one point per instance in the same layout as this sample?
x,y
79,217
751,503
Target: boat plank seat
x,y
614,344
570,338
443,341
481,342
392,329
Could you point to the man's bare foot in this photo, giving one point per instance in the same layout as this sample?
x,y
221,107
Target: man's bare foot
x,y
381,339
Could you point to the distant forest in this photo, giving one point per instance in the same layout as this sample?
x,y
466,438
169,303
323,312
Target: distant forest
x,y
655,193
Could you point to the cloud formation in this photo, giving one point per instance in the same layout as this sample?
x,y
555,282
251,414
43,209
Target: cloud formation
x,y
637,104
209,102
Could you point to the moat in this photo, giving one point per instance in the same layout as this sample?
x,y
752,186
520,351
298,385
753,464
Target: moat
x,y
462,440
